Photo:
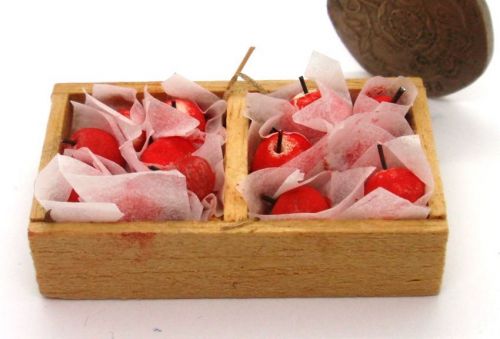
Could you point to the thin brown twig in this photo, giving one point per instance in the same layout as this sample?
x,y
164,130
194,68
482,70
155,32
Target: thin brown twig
x,y
238,71
254,83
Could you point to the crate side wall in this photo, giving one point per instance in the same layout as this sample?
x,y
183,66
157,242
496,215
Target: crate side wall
x,y
247,262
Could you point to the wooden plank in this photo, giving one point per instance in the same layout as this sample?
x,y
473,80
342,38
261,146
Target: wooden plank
x,y
218,87
423,127
220,259
236,157
58,127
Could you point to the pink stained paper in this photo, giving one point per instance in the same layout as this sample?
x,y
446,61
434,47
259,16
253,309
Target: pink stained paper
x,y
385,86
382,204
89,117
330,109
116,96
348,143
340,148
395,124
405,152
52,191
166,121
327,71
313,121
129,129
104,165
132,157
210,150
154,196
341,188
213,107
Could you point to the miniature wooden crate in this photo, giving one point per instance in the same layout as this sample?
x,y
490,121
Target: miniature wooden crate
x,y
235,256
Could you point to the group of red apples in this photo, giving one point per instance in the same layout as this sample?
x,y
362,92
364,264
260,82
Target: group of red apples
x,y
161,154
279,147
275,150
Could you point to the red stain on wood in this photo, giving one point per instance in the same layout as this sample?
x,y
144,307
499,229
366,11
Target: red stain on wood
x,y
143,239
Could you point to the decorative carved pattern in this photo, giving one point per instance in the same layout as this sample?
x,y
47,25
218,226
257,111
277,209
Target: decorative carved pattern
x,y
448,42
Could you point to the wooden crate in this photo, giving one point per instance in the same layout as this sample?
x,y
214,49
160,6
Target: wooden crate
x,y
237,257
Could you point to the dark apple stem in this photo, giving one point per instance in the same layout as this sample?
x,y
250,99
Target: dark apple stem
x,y
153,168
381,156
279,144
47,217
268,199
174,104
69,142
273,130
303,84
399,93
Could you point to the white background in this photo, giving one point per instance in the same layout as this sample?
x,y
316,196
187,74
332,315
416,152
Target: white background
x,y
44,42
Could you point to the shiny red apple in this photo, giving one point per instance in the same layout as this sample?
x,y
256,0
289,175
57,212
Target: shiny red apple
x,y
73,197
200,178
166,151
191,108
399,181
98,141
303,199
302,100
383,98
278,148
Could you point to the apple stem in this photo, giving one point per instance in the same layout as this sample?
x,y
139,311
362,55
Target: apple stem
x,y
47,217
279,144
381,156
303,84
174,104
69,142
153,168
268,199
399,93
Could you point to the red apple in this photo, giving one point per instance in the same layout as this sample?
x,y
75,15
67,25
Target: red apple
x,y
190,108
278,148
73,197
124,111
399,181
302,100
99,142
303,199
383,98
200,178
166,151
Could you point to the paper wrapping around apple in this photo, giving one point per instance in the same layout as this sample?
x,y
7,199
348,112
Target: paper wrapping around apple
x,y
345,143
346,188
103,197
52,191
378,85
313,121
341,188
343,137
212,106
155,119
104,165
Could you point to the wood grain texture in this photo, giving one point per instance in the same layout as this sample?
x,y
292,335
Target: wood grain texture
x,y
220,259
237,257
236,165
449,43
58,128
